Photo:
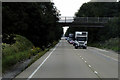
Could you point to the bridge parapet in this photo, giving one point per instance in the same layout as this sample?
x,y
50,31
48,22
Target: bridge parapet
x,y
85,19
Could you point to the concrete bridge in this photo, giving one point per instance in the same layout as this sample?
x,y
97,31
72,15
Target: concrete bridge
x,y
84,21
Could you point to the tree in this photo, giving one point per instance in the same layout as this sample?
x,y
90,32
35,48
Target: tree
x,y
36,21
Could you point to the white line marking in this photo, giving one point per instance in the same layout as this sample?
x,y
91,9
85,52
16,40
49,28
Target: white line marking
x,y
89,65
95,72
42,63
101,50
82,58
85,61
60,44
109,57
105,55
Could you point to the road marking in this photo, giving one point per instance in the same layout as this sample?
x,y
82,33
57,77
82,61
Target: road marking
x,y
95,72
89,65
105,55
102,50
42,63
110,57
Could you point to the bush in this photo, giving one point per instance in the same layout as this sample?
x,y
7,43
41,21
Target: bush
x,y
21,44
112,44
21,50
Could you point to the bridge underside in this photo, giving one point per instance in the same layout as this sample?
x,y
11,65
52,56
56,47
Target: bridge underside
x,y
99,25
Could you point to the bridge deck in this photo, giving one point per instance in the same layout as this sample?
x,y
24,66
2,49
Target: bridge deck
x,y
85,21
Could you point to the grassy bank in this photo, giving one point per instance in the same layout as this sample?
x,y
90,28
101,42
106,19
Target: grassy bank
x,y
112,44
42,53
21,50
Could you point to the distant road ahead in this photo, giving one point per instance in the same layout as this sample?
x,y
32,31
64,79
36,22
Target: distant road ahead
x,y
66,62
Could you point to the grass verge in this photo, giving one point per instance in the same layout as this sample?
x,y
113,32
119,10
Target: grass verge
x,y
112,44
21,50
40,54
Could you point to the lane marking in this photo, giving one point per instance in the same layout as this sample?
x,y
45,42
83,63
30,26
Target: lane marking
x,y
89,65
42,63
102,50
95,72
109,57
105,55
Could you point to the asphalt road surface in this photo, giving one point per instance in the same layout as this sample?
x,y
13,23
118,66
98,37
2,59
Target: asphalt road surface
x,y
64,61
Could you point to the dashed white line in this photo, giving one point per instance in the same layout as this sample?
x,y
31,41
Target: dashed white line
x,y
90,67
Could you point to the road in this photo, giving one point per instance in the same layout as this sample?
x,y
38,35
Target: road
x,y
64,61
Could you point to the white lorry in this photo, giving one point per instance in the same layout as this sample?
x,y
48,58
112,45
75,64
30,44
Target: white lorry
x,y
81,39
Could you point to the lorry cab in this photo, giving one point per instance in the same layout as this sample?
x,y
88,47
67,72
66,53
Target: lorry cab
x,y
81,39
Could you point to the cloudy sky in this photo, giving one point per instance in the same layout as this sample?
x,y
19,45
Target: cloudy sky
x,y
68,7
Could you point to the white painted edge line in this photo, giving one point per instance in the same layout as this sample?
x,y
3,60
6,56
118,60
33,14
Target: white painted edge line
x,y
85,61
60,44
42,63
95,72
89,65
102,50
106,55
110,57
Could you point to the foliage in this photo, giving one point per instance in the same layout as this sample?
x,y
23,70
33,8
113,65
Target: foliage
x,y
112,44
99,9
111,30
21,44
22,49
36,21
100,35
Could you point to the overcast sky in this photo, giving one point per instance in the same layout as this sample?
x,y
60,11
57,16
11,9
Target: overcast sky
x,y
68,7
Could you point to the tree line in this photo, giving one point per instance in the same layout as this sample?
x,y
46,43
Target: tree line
x,y
36,21
99,9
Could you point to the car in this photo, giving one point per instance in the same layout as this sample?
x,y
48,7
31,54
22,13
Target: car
x,y
71,41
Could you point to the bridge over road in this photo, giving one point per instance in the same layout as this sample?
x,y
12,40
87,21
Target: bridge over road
x,y
84,21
